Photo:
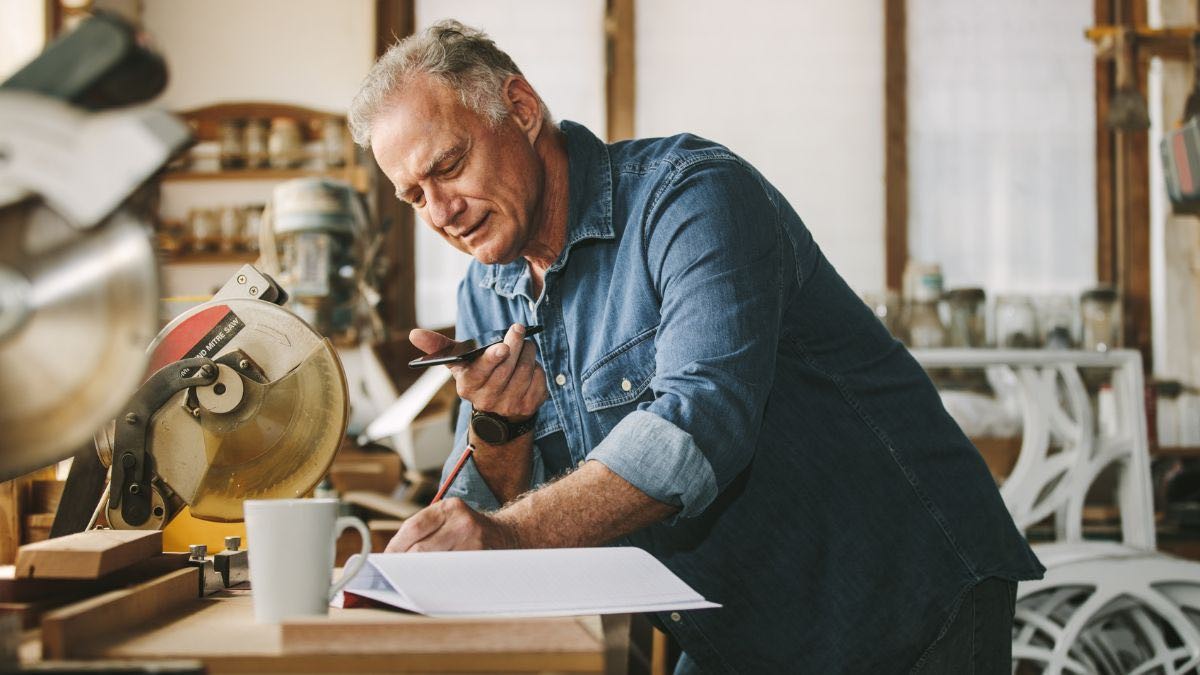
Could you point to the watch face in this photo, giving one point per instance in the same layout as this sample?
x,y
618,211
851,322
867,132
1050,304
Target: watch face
x,y
489,429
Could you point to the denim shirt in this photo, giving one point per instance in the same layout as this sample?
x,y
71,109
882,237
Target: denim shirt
x,y
699,345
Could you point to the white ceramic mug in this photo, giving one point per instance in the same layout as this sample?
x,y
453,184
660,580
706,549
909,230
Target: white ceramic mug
x,y
291,544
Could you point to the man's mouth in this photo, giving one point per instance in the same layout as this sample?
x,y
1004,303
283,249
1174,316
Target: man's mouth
x,y
471,230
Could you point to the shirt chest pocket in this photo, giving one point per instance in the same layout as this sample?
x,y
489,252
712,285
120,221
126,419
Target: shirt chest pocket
x,y
620,379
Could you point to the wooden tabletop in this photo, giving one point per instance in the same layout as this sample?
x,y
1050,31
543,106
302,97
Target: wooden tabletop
x,y
220,631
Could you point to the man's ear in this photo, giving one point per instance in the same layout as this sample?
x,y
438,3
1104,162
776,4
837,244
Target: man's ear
x,y
524,105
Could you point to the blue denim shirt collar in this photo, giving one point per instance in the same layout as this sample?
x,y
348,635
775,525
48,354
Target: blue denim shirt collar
x,y
589,209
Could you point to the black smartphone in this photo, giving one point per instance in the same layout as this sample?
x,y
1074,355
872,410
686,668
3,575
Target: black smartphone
x,y
467,350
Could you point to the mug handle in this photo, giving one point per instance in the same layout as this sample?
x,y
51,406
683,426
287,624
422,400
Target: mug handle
x,y
348,574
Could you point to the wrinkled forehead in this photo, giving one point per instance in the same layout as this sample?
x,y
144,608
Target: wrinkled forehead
x,y
421,120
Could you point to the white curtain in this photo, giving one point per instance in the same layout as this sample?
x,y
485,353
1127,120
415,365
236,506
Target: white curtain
x,y
795,88
1001,143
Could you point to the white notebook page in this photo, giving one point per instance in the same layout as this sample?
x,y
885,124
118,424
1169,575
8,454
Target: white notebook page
x,y
543,582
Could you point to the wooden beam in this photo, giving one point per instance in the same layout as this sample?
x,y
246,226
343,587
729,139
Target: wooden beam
x,y
87,555
1106,201
394,21
895,55
1128,243
69,632
620,73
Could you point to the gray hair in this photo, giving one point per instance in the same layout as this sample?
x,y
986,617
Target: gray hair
x,y
463,58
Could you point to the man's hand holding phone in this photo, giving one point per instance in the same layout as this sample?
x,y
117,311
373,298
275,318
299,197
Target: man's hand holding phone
x,y
505,379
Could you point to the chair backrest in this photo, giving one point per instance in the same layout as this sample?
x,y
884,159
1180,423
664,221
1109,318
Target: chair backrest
x,y
1063,447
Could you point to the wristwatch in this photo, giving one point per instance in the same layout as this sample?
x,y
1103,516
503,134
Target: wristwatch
x,y
494,429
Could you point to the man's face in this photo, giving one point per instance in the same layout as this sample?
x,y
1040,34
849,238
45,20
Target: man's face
x,y
476,185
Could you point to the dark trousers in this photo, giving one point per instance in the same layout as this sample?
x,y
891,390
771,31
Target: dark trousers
x,y
977,640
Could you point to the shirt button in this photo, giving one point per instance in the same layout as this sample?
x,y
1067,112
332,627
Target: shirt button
x,y
532,307
626,385
560,379
675,617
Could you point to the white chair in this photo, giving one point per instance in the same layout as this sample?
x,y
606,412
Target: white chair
x,y
1103,607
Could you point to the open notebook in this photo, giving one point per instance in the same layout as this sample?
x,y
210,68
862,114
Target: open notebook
x,y
523,583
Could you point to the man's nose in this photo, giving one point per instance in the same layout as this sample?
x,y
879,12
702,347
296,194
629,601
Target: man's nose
x,y
444,208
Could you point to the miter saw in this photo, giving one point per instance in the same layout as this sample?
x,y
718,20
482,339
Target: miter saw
x,y
246,402
236,398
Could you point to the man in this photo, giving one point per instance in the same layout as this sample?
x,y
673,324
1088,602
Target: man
x,y
706,387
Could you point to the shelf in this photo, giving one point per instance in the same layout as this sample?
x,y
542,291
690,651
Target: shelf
x,y
356,176
210,258
1183,452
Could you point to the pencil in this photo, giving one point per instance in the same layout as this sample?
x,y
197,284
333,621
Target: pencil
x,y
462,461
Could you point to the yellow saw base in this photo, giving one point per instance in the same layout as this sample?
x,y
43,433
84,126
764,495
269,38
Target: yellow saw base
x,y
184,530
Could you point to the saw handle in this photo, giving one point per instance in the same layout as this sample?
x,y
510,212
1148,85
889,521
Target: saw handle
x,y
130,484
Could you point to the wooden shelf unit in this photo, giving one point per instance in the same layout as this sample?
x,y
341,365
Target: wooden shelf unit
x,y
205,123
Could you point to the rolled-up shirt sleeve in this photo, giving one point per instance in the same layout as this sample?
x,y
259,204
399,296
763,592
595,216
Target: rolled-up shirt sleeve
x,y
714,252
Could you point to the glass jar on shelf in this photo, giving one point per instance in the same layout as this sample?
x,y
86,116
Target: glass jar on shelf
x,y
967,326
333,142
1015,322
1056,321
256,135
924,325
230,224
232,150
252,227
202,224
1100,319
285,145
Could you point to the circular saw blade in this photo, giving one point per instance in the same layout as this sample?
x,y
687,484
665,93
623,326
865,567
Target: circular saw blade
x,y
84,304
281,436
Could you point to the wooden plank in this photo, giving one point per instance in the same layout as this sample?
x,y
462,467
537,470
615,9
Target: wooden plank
x,y
381,504
371,471
1106,206
895,47
37,527
221,632
10,520
29,614
46,495
404,633
67,632
620,69
87,555
31,590
1136,263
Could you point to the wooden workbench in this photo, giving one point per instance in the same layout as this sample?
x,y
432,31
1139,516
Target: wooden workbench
x,y
220,631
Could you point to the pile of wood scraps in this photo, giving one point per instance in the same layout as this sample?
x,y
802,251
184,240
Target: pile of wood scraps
x,y
27,508
54,573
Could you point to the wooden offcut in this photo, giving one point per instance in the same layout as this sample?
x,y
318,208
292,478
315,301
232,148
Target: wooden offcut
x,y
74,630
382,504
220,630
25,590
87,555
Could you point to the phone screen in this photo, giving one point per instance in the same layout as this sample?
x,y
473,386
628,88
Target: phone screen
x,y
468,349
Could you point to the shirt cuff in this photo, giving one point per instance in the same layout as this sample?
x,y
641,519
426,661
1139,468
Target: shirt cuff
x,y
661,460
472,489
